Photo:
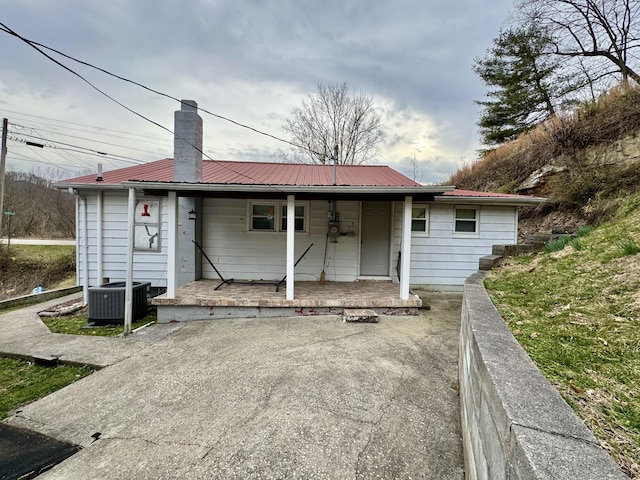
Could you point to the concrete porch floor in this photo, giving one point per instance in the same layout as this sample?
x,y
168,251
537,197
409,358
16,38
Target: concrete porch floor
x,y
197,300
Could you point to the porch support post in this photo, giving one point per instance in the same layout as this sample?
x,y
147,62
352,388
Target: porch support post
x,y
405,265
291,229
128,294
172,247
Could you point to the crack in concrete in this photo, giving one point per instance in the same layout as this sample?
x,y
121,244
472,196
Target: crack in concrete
x,y
343,416
253,414
150,442
558,434
328,340
376,423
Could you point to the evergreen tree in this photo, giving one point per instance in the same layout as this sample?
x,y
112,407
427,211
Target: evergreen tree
x,y
521,76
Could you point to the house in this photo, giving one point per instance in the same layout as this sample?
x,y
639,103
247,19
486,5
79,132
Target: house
x,y
186,222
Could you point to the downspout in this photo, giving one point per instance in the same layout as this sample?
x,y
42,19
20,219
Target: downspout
x,y
85,242
99,214
85,250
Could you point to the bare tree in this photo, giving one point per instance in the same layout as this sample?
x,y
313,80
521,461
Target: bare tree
x,y
332,117
416,172
41,211
604,31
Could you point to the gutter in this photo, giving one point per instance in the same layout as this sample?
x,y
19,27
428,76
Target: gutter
x,y
506,201
284,189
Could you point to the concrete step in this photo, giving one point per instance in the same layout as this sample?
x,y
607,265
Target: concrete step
x,y
489,261
515,250
539,239
359,315
497,249
521,249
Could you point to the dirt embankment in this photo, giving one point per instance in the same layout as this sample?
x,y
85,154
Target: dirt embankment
x,y
23,268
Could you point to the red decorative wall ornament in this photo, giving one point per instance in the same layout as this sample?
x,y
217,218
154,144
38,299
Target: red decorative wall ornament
x,y
145,212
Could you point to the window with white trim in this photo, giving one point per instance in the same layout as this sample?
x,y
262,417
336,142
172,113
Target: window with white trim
x,y
466,220
263,217
299,218
271,216
420,219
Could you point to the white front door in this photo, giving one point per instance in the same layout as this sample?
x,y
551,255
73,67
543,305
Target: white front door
x,y
375,238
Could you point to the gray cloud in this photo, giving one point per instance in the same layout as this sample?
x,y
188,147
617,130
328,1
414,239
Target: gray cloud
x,y
254,61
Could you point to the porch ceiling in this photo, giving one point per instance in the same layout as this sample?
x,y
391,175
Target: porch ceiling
x,y
308,294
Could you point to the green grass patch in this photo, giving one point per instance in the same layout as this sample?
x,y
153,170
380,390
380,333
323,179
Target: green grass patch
x,y
558,244
584,230
23,382
77,325
577,314
576,244
628,246
46,253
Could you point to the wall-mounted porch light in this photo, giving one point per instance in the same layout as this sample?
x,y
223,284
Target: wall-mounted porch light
x,y
192,214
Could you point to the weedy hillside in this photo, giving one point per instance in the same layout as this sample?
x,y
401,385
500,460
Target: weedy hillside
x,y
585,162
575,309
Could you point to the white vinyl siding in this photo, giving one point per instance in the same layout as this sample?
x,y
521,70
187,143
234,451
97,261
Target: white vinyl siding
x,y
242,254
440,259
148,266
443,260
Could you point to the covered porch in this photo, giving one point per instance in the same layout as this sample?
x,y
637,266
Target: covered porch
x,y
199,300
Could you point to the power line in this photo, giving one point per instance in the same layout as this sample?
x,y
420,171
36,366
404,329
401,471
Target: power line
x,y
73,72
35,44
84,125
71,148
87,139
64,155
29,159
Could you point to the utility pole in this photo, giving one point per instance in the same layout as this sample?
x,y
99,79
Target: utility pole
x,y
3,161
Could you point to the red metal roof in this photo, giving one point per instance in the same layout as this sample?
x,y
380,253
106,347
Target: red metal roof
x,y
257,173
158,171
285,174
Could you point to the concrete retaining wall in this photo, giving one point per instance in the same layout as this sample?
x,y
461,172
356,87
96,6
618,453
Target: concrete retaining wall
x,y
515,424
38,297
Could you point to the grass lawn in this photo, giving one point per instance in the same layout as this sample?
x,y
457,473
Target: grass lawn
x,y
47,253
23,382
576,312
77,325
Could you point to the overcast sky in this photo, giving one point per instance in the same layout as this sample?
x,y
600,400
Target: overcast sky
x,y
251,61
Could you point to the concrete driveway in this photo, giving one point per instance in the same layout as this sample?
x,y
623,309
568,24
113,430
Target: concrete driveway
x,y
305,398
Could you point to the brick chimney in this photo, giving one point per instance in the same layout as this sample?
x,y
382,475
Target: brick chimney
x,y
187,143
